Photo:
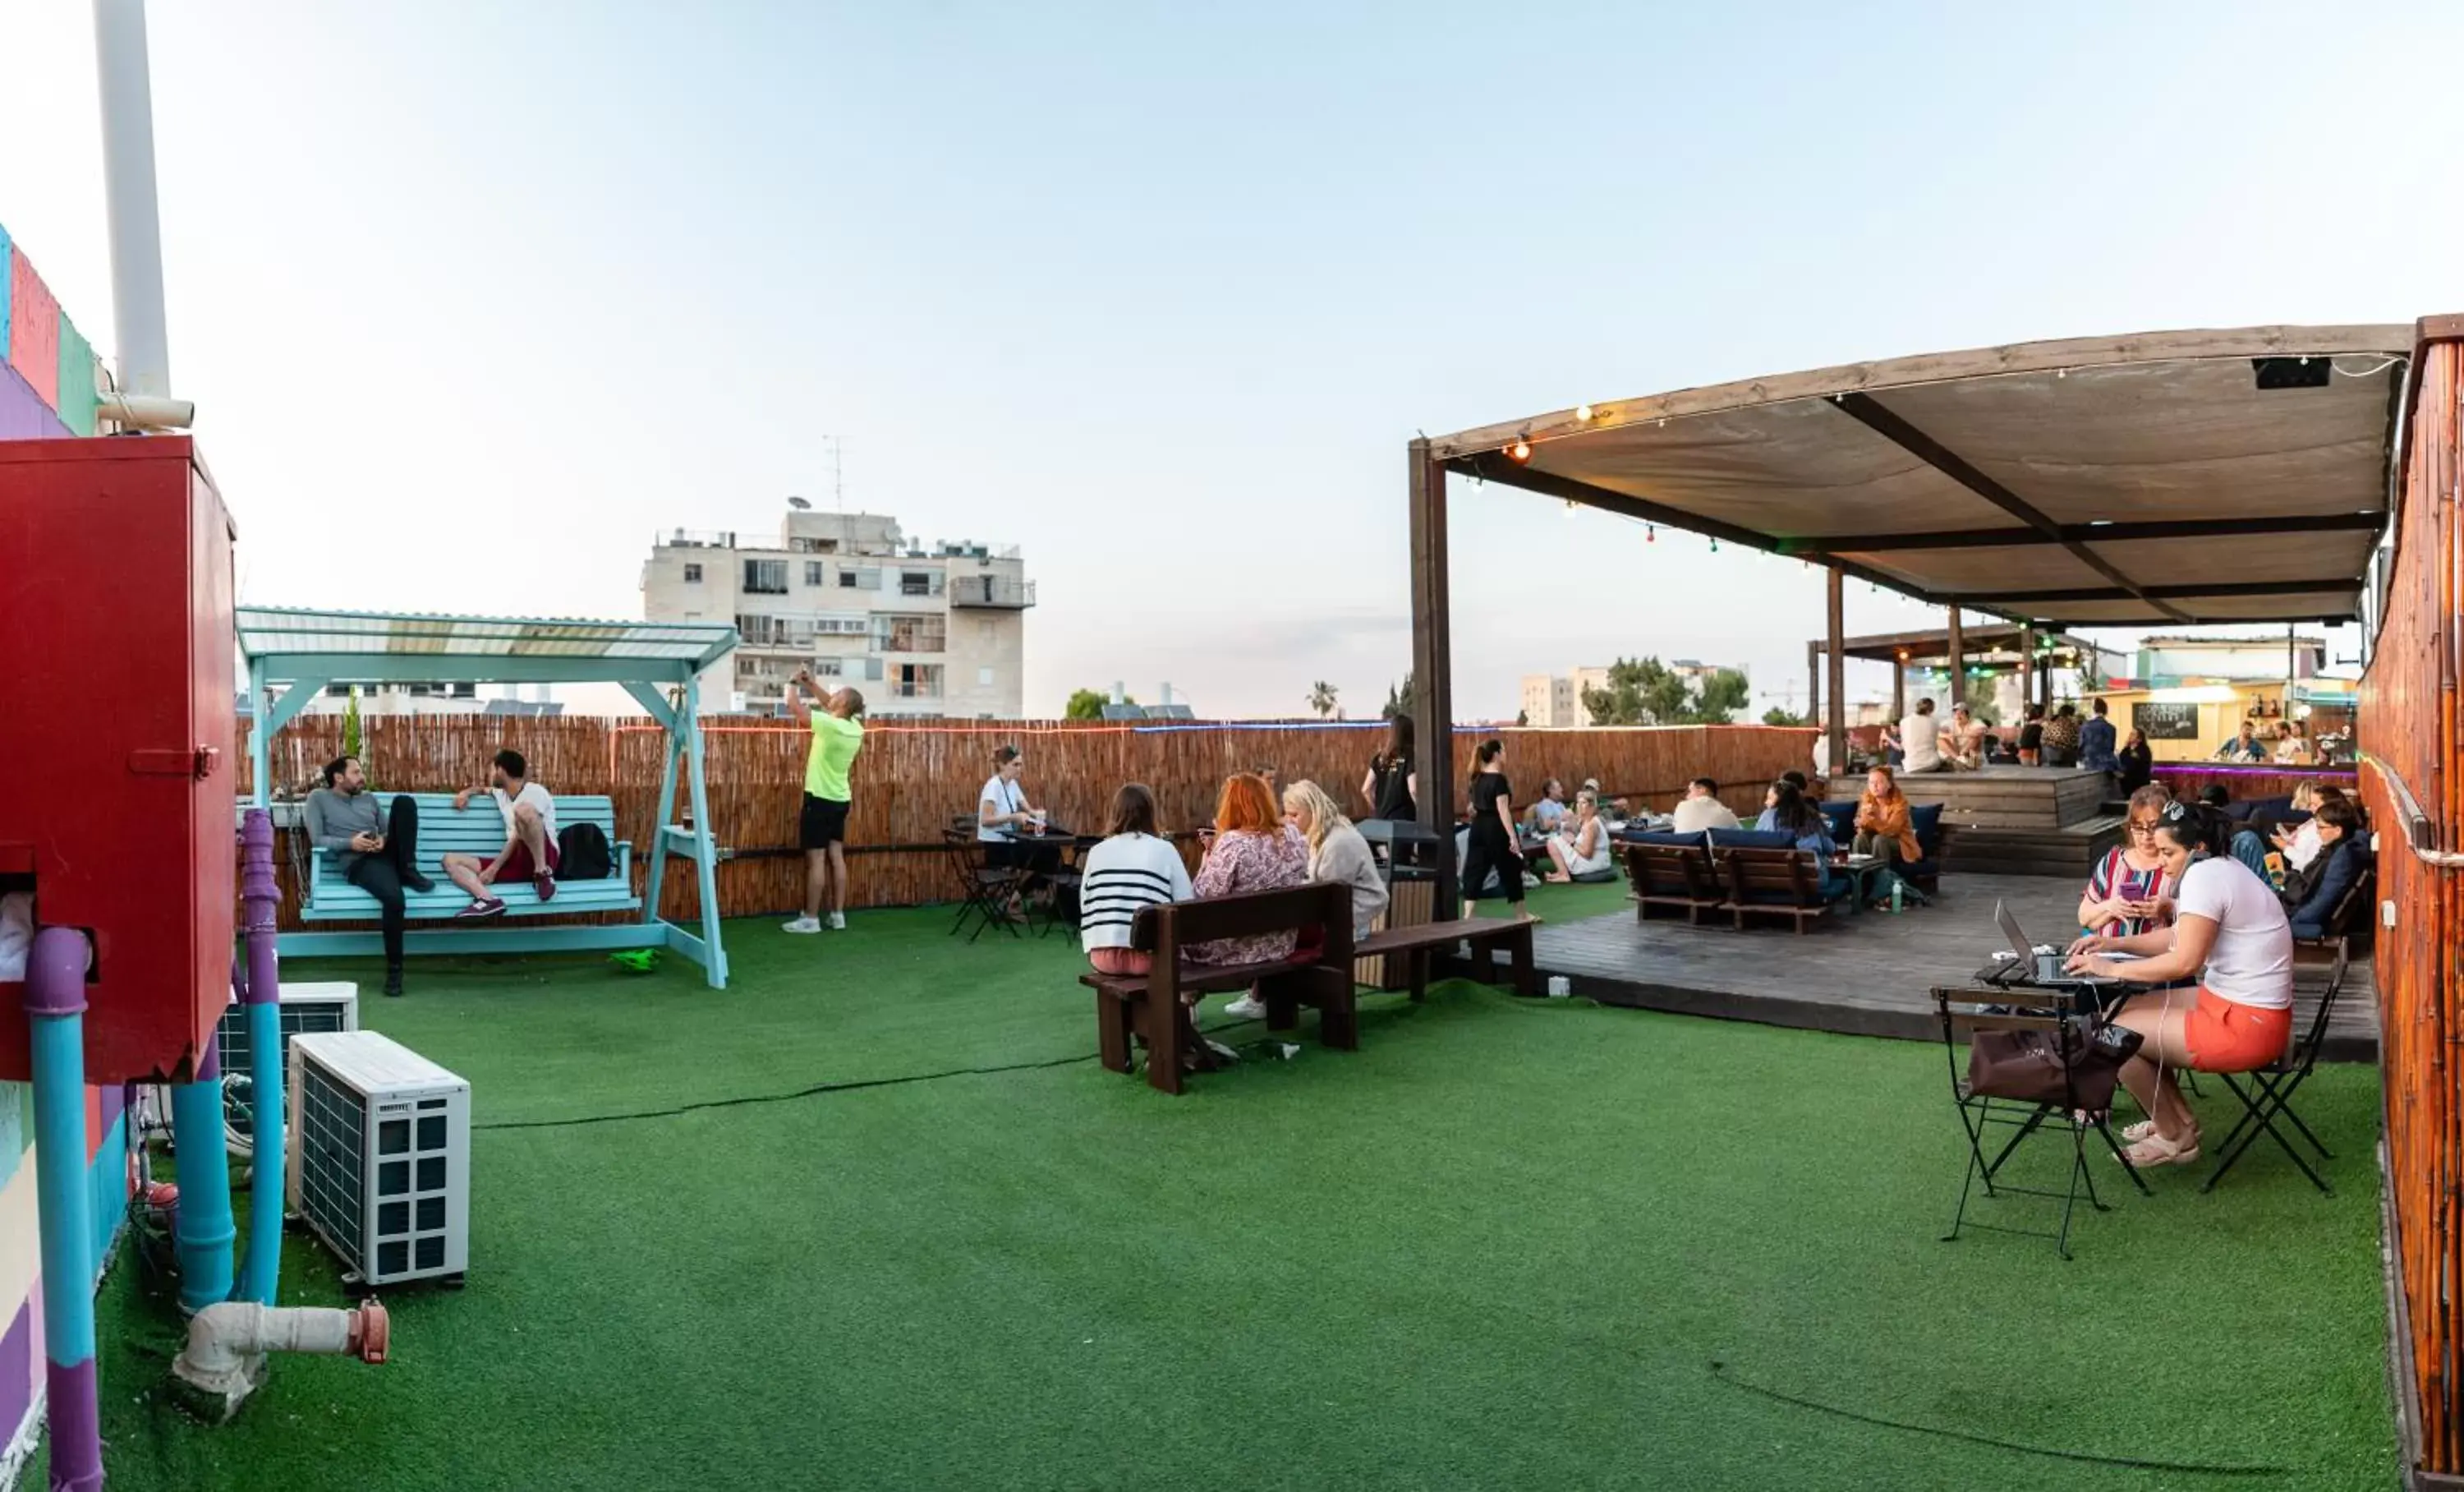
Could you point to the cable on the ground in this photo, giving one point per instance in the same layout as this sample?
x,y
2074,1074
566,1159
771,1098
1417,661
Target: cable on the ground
x,y
815,1090
1719,1371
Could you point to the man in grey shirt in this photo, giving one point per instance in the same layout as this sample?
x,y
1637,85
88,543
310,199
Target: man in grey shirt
x,y
379,857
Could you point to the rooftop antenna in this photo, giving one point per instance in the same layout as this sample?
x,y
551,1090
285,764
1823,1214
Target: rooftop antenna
x,y
142,399
838,480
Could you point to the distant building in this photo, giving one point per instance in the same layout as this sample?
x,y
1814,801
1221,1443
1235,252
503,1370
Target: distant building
x,y
1555,701
2165,660
1121,709
921,631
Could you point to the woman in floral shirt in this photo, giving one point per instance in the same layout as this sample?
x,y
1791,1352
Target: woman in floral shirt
x,y
1254,850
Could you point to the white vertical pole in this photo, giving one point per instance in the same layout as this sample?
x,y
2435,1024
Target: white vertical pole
x,y
128,185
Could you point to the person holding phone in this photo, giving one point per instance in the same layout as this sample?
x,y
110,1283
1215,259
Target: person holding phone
x,y
2127,893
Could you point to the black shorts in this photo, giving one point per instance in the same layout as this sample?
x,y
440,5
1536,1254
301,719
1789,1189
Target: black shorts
x,y
824,823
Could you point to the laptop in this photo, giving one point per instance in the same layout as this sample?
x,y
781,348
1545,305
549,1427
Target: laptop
x,y
2046,969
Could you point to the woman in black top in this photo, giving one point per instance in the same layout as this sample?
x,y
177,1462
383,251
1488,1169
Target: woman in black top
x,y
1492,829
1393,788
2133,765
2031,737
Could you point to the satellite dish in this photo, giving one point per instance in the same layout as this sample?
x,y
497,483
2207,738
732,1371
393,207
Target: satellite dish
x,y
799,504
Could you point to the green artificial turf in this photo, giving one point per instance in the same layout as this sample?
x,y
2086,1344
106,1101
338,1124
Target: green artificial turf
x,y
1505,1244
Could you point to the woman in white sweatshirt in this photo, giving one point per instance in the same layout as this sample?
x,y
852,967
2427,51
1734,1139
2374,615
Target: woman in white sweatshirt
x,y
1135,868
1337,851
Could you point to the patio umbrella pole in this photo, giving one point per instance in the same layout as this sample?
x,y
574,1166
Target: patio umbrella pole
x,y
54,1004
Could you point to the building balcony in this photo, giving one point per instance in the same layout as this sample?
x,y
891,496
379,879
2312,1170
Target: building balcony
x,y
990,592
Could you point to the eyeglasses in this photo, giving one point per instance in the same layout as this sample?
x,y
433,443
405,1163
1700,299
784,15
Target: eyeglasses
x,y
2143,826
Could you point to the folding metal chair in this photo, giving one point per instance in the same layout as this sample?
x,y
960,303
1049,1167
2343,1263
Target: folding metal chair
x,y
984,891
2266,1093
1980,1115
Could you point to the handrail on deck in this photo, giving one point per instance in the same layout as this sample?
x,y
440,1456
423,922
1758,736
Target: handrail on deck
x,y
2421,832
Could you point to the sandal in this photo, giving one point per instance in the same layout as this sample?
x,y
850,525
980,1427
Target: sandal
x,y
2146,1128
2157,1150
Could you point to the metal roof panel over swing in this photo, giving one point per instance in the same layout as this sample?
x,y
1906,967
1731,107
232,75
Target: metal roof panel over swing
x,y
381,647
2163,477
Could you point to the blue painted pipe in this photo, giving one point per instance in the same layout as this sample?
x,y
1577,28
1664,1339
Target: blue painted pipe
x,y
263,1275
203,1234
54,1003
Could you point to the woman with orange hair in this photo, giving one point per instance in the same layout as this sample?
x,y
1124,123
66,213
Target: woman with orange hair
x,y
1254,850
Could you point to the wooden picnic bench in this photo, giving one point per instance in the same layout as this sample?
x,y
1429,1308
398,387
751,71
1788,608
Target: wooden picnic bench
x,y
1417,946
1155,1006
478,829
1741,880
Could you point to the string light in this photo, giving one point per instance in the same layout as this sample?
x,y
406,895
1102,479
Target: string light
x,y
1582,414
1715,547
1520,451
1650,534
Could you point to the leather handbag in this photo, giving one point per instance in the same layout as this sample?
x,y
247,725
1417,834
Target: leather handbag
x,y
2067,1066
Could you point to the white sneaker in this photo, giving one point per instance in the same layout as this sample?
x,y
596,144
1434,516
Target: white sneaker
x,y
1247,1007
838,921
801,924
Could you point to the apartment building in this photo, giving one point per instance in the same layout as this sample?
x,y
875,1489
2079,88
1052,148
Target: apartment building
x,y
1555,701
921,630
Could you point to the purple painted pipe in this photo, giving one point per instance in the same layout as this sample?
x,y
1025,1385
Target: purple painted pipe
x,y
260,1279
54,1005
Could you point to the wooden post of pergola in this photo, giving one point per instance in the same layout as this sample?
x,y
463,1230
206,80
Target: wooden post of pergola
x,y
1900,687
1957,668
2027,666
1814,680
1433,712
1836,663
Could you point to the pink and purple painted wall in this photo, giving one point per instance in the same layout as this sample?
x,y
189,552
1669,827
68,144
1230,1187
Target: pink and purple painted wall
x,y
47,382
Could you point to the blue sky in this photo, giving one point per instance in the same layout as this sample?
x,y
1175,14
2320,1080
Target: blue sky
x,y
474,299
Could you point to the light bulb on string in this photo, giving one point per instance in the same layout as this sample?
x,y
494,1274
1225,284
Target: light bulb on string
x,y
1583,413
1715,547
1650,534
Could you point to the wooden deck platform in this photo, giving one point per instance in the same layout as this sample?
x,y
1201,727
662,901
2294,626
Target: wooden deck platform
x,y
2000,797
1866,974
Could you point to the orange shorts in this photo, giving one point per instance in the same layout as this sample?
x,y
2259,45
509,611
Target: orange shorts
x,y
2228,1036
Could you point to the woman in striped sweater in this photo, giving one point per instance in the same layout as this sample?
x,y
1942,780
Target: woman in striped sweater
x,y
1134,869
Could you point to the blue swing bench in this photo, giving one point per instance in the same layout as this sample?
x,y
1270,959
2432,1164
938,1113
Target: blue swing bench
x,y
478,829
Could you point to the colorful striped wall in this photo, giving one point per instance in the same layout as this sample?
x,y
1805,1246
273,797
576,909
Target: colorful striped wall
x,y
43,354
48,381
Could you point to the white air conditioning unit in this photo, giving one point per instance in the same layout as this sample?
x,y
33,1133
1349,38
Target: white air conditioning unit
x,y
380,1141
299,1008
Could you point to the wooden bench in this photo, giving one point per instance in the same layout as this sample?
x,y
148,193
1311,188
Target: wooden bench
x,y
1677,875
1485,934
1152,1005
478,829
1773,884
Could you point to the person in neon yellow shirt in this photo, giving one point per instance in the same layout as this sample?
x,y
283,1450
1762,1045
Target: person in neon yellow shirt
x,y
838,735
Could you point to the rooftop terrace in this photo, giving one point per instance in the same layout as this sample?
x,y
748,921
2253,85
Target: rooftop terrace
x,y
873,1217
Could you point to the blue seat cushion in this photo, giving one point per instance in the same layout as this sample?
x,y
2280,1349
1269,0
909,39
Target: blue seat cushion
x,y
1926,819
1749,839
1843,818
1664,837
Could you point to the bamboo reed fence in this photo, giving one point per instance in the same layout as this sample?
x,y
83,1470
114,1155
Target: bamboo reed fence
x,y
912,780
2408,726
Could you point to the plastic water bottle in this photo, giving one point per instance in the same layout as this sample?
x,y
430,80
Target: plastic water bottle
x,y
1896,885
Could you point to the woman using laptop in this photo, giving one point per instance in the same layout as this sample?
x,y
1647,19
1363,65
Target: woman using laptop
x,y
2230,931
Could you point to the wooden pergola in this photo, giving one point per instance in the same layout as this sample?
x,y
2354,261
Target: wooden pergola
x,y
2163,479
2035,654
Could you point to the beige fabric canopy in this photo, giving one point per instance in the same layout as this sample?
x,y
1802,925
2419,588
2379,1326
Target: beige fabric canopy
x,y
2169,477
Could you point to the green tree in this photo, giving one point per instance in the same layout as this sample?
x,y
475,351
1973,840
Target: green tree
x,y
1321,698
1980,698
1523,717
1647,691
1088,704
1780,715
351,723
1719,698
1400,698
